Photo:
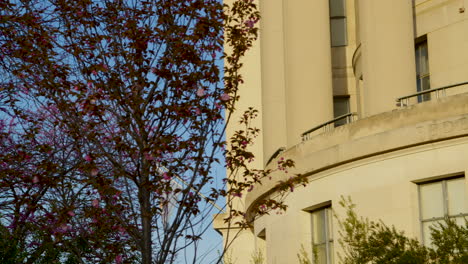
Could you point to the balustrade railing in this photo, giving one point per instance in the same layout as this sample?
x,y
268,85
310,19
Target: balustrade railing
x,y
330,125
426,95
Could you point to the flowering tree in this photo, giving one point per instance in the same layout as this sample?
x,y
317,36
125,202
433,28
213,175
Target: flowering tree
x,y
111,112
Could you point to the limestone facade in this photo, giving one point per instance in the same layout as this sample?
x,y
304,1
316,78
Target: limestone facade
x,y
395,153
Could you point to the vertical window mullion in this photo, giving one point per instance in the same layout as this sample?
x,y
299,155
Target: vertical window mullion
x,y
420,213
445,195
327,246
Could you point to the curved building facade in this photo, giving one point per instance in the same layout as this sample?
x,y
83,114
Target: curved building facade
x,y
370,99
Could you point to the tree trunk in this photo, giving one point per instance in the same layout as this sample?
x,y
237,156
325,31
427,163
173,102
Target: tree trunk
x,y
146,243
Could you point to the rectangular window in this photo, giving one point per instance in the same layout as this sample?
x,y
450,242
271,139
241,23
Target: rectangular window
x,y
338,23
422,71
322,236
340,107
440,199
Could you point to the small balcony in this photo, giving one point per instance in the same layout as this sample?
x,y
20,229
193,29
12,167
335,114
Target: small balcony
x,y
329,125
430,94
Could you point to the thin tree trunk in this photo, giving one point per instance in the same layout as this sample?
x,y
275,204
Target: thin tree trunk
x,y
146,243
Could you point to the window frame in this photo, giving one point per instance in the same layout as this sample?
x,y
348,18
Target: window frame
x,y
328,226
336,99
445,202
419,43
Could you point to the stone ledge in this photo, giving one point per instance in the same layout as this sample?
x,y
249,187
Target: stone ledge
x,y
420,124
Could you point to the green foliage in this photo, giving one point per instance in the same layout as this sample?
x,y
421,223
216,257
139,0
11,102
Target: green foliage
x,y
303,257
366,241
451,242
227,257
257,257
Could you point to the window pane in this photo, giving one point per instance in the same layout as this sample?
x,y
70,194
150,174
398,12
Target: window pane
x,y
340,107
337,8
318,225
418,64
329,224
424,67
422,71
330,252
456,196
426,85
432,202
418,84
321,252
338,32
460,220
427,231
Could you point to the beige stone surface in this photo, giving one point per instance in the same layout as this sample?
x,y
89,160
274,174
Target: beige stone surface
x,y
307,66
378,160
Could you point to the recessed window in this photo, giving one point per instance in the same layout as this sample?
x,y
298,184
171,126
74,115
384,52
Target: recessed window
x,y
340,107
322,236
338,23
440,199
422,70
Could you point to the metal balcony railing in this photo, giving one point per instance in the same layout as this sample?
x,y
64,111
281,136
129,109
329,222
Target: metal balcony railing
x,y
330,125
426,95
274,155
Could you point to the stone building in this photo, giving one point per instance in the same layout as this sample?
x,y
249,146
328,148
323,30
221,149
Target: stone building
x,y
369,98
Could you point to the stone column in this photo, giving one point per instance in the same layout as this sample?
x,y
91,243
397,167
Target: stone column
x,y
309,95
273,83
387,39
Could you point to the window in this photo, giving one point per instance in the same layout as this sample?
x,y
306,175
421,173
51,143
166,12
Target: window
x,y
440,199
340,107
322,235
338,23
422,70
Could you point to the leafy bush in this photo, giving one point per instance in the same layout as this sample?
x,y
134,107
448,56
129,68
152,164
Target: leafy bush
x,y
366,241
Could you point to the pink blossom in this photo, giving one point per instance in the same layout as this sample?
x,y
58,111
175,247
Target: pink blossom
x,y
118,259
95,203
90,84
225,97
35,179
121,230
200,92
94,172
197,111
148,156
166,176
153,70
71,213
88,158
94,72
250,23
63,228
